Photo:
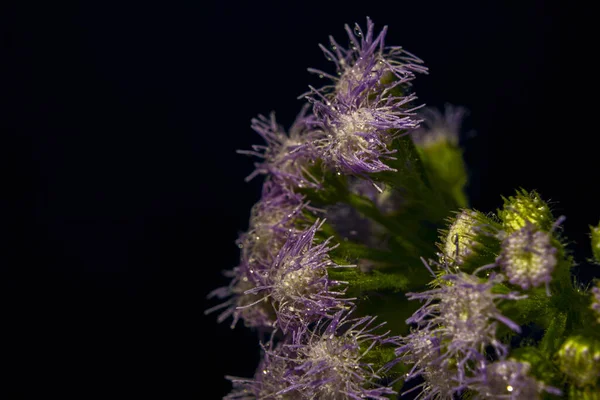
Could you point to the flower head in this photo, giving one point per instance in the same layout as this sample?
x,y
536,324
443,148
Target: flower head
x,y
324,361
508,379
286,156
454,329
366,108
273,218
439,126
424,351
528,257
297,282
367,63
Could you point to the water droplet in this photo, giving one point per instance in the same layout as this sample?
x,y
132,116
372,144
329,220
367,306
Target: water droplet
x,y
333,47
357,31
321,76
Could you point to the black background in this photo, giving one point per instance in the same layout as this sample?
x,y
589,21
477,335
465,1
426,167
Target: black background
x,y
124,194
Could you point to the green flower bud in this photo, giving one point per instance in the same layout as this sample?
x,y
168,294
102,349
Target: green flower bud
x,y
525,206
579,359
595,236
470,241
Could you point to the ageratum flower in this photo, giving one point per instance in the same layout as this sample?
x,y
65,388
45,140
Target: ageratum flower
x,y
366,107
459,319
323,362
508,379
528,257
425,353
273,218
297,281
367,64
286,156
438,126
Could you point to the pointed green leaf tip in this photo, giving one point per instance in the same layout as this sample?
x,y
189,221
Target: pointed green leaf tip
x,y
446,168
437,141
525,207
595,236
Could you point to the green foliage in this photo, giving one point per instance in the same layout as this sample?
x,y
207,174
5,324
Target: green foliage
x,y
445,167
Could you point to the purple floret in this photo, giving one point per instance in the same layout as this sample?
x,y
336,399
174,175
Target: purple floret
x,y
507,380
357,131
297,282
367,60
528,257
273,219
320,362
438,125
454,328
285,156
367,106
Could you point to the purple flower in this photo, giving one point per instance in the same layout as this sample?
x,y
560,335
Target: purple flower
x,y
357,131
297,282
286,156
423,350
507,380
528,257
365,108
322,362
439,125
454,328
272,220
367,63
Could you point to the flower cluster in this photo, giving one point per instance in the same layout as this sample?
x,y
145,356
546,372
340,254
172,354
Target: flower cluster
x,y
358,193
283,282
